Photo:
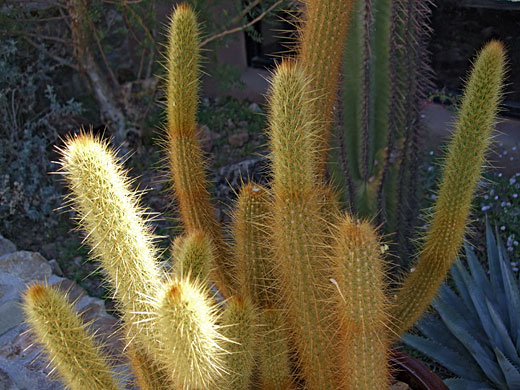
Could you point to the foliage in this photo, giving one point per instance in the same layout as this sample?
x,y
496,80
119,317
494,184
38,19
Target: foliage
x,y
295,252
32,118
476,333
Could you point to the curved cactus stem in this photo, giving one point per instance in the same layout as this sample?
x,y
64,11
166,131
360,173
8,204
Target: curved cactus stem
x,y
461,173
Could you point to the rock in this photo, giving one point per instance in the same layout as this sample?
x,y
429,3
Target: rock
x,y
6,246
28,266
73,291
5,382
20,347
11,315
230,177
206,137
3,290
238,139
255,107
55,267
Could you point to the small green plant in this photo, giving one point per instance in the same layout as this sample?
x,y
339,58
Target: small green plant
x,y
304,281
476,333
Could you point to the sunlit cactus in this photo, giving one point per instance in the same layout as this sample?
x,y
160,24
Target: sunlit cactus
x,y
305,298
67,341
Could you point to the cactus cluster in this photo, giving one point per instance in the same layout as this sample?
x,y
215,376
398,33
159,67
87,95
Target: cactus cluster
x,y
307,303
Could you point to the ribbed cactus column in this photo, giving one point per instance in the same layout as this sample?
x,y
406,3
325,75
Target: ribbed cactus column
x,y
256,279
360,274
461,173
323,36
239,325
185,154
70,347
297,226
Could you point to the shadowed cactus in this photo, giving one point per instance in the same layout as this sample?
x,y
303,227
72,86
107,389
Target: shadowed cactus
x,y
304,282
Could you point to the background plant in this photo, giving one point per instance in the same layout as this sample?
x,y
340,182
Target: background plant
x,y
32,118
386,77
475,332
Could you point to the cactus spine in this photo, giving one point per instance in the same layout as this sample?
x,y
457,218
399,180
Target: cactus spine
x,y
296,222
75,353
185,154
461,173
360,278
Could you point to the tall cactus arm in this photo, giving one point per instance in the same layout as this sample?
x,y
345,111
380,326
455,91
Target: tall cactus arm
x,y
70,347
461,173
109,212
184,151
322,39
297,226
360,278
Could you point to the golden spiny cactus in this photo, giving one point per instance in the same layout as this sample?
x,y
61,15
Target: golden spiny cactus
x,y
305,288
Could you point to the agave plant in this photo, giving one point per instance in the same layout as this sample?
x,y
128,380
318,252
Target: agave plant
x,y
476,334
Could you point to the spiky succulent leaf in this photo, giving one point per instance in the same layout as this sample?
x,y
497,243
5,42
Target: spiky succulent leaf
x,y
478,321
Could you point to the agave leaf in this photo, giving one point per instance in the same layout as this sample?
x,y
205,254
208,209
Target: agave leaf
x,y
449,297
494,263
483,318
463,384
510,372
445,356
511,290
480,352
509,347
434,329
479,276
460,275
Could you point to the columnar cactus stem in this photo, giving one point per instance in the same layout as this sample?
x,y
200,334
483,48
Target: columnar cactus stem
x,y
109,212
360,275
239,324
462,170
193,255
185,154
70,347
148,374
188,343
254,264
274,351
323,36
297,227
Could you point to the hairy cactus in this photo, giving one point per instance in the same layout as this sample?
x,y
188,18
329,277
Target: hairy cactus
x,y
306,295
63,334
461,173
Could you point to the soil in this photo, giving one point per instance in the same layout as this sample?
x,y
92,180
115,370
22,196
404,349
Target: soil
x,y
460,31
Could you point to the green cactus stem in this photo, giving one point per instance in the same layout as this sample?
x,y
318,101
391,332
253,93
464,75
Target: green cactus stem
x,y
297,227
461,173
184,151
193,255
69,345
360,278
